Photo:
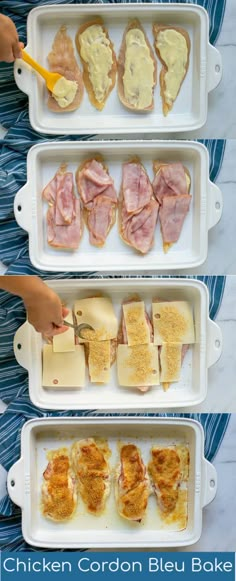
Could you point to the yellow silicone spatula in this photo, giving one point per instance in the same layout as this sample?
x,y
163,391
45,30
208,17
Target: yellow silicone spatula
x,y
50,78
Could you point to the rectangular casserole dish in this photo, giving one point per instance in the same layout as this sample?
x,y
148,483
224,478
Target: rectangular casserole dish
x,y
190,108
109,530
190,251
189,391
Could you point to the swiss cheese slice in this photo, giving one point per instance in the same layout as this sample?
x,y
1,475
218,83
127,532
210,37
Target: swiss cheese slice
x,y
99,313
137,329
99,361
173,323
170,362
63,370
138,365
65,341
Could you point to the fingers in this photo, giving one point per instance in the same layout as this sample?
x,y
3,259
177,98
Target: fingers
x,y
65,312
17,49
9,58
59,330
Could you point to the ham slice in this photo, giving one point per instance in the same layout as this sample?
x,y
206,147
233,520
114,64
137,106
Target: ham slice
x,y
99,220
92,181
64,199
64,220
172,215
171,186
170,180
97,192
136,186
62,60
65,236
138,230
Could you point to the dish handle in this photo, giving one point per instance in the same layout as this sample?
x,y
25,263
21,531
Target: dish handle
x,y
22,208
215,68
23,74
21,345
215,205
209,482
15,482
214,343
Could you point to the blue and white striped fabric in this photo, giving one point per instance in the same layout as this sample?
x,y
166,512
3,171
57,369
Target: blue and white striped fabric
x,y
13,150
13,101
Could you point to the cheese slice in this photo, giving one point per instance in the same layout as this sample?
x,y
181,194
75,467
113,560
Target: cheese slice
x,y
99,313
99,361
63,371
173,323
138,365
65,341
137,329
170,362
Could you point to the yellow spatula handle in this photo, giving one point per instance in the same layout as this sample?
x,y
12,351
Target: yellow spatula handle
x,y
41,70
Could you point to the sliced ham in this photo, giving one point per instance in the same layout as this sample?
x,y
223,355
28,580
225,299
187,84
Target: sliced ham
x,y
138,229
98,195
60,193
172,214
93,180
65,236
100,219
64,199
136,187
170,180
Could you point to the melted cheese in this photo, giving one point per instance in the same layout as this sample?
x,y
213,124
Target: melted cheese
x,y
137,328
99,313
99,361
93,473
138,79
63,371
170,362
173,49
132,485
137,366
65,341
59,496
64,92
95,50
173,323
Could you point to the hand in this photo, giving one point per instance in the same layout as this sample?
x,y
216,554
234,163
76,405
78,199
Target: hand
x,y
45,312
10,47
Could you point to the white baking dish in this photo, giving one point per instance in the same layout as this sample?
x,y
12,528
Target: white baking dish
x,y
190,109
109,530
189,391
43,161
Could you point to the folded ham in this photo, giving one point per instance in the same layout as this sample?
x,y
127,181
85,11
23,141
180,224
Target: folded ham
x,y
64,223
171,189
98,195
138,208
138,230
137,189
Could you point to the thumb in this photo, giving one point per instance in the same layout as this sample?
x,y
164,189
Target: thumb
x,y
65,312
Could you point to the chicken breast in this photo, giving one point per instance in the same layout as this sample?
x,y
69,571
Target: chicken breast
x,y
90,462
132,484
59,494
62,60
